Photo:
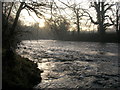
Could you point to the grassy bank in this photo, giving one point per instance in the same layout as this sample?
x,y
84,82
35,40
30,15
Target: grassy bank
x,y
18,72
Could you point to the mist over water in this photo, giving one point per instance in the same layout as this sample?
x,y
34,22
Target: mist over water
x,y
68,64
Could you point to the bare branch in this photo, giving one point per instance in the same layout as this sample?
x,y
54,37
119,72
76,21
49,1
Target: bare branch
x,y
10,10
107,24
33,9
95,22
108,8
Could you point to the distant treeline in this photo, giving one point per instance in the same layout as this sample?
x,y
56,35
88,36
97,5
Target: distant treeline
x,y
70,35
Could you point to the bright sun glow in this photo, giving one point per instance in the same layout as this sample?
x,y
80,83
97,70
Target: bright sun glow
x,y
30,20
41,23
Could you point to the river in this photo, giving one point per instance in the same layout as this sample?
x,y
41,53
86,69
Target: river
x,y
69,64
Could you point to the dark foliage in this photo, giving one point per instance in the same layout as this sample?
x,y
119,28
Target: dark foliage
x,y
18,72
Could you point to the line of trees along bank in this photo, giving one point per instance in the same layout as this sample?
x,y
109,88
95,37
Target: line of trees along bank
x,y
106,14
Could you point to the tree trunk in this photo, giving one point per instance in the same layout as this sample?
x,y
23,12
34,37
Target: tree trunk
x,y
78,23
12,30
117,21
118,33
101,18
10,10
6,21
16,18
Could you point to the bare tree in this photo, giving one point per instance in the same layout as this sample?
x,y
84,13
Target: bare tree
x,y
116,16
7,8
32,6
78,12
16,18
117,25
101,7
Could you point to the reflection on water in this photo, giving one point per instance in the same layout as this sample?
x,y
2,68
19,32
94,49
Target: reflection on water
x,y
69,64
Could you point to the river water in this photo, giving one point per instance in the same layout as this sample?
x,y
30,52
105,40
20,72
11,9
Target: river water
x,y
68,64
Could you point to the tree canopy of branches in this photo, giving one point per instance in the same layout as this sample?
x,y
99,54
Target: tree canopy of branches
x,y
78,12
116,16
8,8
58,22
59,27
101,8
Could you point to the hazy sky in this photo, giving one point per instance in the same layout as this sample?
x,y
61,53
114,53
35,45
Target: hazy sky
x,y
30,19
84,4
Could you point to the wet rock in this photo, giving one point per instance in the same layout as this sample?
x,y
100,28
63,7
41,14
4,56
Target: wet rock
x,y
81,76
89,60
67,56
87,67
99,82
25,48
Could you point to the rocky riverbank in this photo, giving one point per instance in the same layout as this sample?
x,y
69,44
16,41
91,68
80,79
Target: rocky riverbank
x,y
18,72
